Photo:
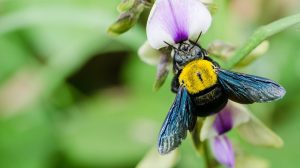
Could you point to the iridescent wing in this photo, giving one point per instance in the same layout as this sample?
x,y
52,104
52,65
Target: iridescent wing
x,y
244,88
179,120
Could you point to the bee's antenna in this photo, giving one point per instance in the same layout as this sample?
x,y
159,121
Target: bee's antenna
x,y
170,45
196,42
198,37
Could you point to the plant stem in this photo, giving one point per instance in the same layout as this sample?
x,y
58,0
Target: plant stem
x,y
202,147
206,155
196,136
259,36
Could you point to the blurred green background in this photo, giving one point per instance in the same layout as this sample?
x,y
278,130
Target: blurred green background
x,y
73,97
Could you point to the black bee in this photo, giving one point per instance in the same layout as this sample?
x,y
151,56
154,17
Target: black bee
x,y
203,88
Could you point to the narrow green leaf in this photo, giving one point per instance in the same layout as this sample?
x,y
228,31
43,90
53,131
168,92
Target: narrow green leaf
x,y
260,35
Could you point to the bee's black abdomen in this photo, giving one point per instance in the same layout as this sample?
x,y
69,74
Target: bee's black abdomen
x,y
210,101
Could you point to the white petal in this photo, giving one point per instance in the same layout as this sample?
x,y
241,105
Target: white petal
x,y
148,54
246,161
174,21
236,113
240,113
207,130
256,133
154,159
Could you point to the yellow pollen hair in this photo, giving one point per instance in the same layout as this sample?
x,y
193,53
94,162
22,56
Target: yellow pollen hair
x,y
197,76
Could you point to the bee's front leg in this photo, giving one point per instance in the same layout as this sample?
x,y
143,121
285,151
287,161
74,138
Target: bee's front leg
x,y
175,84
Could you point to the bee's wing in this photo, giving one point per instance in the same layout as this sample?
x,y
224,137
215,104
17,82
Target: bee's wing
x,y
179,120
244,88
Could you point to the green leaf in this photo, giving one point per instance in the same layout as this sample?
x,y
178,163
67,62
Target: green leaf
x,y
66,36
27,141
259,36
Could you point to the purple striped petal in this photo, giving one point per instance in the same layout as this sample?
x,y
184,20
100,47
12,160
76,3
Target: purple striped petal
x,y
223,151
174,21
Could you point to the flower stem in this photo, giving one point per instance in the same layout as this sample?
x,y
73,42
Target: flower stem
x,y
202,147
206,155
196,135
259,36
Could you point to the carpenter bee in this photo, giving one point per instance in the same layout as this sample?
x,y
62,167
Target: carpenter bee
x,y
203,88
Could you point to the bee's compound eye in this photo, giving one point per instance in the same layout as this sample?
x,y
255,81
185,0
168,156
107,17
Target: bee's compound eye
x,y
200,54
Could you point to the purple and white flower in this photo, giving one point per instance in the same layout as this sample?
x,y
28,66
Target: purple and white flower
x,y
175,21
215,127
249,127
231,116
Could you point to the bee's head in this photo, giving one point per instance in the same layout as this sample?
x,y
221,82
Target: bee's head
x,y
186,52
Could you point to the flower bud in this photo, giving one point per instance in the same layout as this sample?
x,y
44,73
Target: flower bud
x,y
255,54
125,5
131,11
225,51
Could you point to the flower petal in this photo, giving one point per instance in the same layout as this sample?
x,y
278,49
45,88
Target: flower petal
x,y
231,116
174,21
246,161
207,130
256,133
163,69
223,151
148,54
223,121
154,159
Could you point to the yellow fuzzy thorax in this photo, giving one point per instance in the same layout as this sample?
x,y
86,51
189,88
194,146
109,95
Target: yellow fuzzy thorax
x,y
197,76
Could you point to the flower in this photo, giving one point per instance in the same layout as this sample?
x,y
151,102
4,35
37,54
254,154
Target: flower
x,y
215,127
249,127
229,117
160,58
172,22
175,21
